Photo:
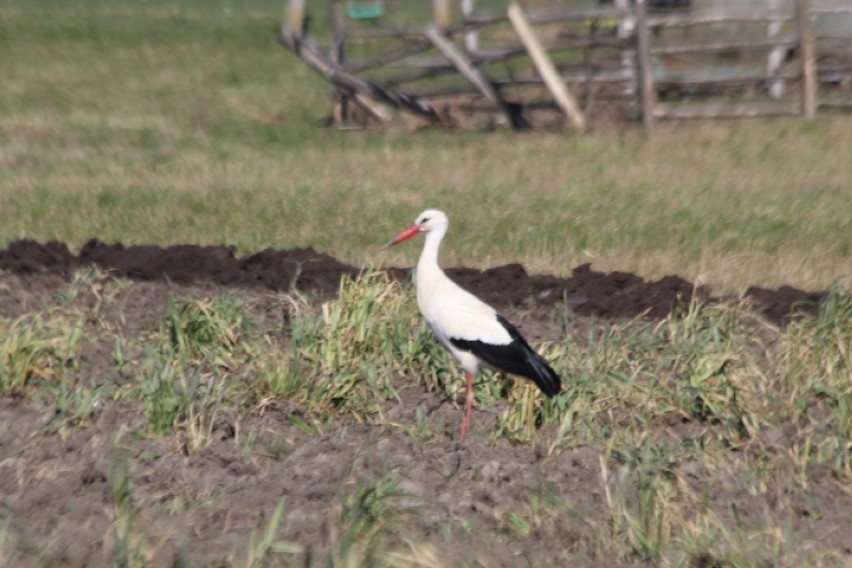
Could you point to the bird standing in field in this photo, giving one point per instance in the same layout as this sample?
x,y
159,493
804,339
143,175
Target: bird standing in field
x,y
470,329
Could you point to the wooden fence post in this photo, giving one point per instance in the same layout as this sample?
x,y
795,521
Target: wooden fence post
x,y
337,17
626,31
471,36
545,67
807,50
296,17
443,13
647,92
776,55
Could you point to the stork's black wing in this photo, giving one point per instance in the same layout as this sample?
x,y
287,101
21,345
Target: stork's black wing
x,y
516,357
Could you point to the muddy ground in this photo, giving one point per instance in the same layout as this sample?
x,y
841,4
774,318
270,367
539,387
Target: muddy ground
x,y
614,295
199,509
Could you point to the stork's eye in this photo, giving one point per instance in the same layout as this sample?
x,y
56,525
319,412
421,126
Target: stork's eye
x,y
424,221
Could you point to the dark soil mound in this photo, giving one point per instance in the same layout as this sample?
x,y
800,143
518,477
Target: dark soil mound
x,y
614,295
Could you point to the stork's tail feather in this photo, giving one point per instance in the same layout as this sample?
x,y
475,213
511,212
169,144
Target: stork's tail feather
x,y
543,374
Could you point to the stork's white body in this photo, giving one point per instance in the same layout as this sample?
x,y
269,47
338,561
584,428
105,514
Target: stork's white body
x,y
452,311
472,330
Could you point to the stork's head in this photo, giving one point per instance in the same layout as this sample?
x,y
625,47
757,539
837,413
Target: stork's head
x,y
429,220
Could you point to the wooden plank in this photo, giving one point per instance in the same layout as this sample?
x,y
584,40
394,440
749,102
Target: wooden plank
x,y
575,78
807,49
547,16
613,15
828,69
830,11
711,77
373,108
437,62
835,101
647,92
499,53
545,67
726,45
466,68
550,15
590,42
474,21
431,93
308,52
723,109
394,81
391,57
689,20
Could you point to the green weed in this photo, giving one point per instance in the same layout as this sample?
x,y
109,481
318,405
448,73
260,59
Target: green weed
x,y
39,349
266,546
6,537
367,527
358,353
127,539
201,353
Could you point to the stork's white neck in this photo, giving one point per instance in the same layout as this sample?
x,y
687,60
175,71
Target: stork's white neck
x,y
429,257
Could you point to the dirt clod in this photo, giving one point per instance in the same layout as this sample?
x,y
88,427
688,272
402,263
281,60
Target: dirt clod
x,y
615,295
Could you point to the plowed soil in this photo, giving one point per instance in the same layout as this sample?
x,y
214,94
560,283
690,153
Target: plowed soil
x,y
614,295
55,487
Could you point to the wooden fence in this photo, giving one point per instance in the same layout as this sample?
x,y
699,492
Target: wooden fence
x,y
557,66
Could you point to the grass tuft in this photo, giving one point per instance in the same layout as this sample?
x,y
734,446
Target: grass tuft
x,y
368,528
39,349
363,349
201,353
263,548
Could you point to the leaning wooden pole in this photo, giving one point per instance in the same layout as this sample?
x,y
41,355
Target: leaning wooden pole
x,y
308,52
466,68
545,67
807,50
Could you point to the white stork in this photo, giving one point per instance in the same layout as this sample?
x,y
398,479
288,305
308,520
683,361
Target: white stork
x,y
473,331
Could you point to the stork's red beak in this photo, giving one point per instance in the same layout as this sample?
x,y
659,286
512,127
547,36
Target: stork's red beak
x,y
406,234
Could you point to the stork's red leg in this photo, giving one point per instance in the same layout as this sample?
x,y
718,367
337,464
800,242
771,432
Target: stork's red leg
x,y
468,406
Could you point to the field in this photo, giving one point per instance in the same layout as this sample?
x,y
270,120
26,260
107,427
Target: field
x,y
247,405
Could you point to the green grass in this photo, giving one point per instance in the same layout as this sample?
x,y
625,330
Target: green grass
x,y
166,123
